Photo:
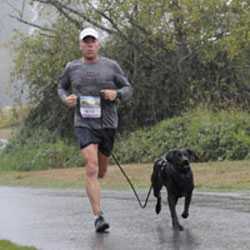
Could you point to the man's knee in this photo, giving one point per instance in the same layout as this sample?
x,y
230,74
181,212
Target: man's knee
x,y
91,169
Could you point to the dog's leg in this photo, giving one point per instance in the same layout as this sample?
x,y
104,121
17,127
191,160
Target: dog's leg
x,y
157,186
157,193
158,205
188,198
172,201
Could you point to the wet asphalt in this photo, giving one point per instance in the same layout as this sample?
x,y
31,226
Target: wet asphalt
x,y
61,220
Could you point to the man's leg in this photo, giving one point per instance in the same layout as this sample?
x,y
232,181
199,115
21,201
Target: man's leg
x,y
91,171
103,161
93,187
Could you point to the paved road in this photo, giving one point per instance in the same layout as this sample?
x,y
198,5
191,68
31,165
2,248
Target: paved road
x,y
61,220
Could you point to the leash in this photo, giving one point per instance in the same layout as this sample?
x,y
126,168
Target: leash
x,y
125,175
131,184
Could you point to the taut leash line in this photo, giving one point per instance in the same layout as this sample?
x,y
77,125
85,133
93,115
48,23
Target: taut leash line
x,y
131,185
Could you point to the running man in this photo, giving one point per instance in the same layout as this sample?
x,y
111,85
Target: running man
x,y
92,85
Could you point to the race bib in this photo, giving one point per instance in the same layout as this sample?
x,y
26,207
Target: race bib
x,y
90,106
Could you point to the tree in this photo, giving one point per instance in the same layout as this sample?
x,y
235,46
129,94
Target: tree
x,y
177,53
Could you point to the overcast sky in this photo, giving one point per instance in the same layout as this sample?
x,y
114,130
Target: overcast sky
x,y
7,29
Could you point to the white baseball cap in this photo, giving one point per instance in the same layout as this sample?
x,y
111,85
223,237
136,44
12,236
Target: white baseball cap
x,y
88,32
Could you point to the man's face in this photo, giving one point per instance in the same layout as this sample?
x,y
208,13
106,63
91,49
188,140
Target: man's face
x,y
89,47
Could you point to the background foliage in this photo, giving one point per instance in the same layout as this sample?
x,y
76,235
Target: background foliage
x,y
178,55
213,136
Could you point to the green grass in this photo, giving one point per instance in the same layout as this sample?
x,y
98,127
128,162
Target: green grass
x,y
212,176
7,245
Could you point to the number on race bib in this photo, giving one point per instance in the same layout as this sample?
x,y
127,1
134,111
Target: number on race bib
x,y
90,106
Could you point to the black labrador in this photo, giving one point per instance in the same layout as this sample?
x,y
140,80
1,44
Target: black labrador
x,y
174,172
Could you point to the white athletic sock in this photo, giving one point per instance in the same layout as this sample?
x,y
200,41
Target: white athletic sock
x,y
96,216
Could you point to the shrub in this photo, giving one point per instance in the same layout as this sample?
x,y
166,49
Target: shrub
x,y
41,150
215,136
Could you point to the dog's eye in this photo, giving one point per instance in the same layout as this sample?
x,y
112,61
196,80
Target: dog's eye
x,y
178,154
185,154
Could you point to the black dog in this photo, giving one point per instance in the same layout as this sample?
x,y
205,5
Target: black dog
x,y
174,172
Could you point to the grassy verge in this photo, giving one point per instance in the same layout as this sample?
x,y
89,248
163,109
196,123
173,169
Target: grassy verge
x,y
7,245
214,176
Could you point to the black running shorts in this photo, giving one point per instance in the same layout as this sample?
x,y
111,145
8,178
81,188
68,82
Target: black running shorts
x,y
103,137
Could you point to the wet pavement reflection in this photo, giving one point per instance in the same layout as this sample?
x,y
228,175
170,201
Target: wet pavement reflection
x,y
61,220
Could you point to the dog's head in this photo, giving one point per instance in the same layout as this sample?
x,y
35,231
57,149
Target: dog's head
x,y
181,158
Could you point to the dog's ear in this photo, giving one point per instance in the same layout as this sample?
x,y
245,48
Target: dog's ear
x,y
170,156
192,156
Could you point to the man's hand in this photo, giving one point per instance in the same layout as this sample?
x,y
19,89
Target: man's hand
x,y
71,101
109,94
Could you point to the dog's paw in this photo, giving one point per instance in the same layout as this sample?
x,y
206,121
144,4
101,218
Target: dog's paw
x,y
185,215
158,208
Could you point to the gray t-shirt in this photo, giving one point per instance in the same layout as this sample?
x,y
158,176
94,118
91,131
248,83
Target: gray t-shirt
x,y
87,80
